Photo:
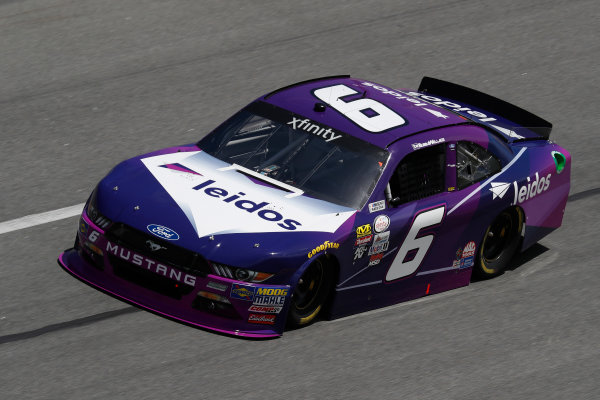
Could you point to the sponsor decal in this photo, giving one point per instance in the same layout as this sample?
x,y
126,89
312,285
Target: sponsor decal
x,y
242,292
499,189
268,296
162,232
265,319
465,257
466,262
265,309
378,248
397,94
224,201
532,188
154,246
363,230
459,253
269,291
269,300
312,127
428,143
363,240
381,237
453,106
83,226
375,259
436,113
478,115
359,252
469,250
377,206
456,262
326,245
217,286
151,265
248,205
381,223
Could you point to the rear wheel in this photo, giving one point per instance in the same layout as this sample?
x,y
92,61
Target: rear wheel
x,y
310,294
499,244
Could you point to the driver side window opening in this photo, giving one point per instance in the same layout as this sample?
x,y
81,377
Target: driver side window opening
x,y
420,174
473,164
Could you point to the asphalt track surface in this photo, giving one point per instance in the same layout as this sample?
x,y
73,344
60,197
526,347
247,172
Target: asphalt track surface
x,y
85,84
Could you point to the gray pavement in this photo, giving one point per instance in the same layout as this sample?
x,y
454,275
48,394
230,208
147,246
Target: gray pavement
x,y
85,84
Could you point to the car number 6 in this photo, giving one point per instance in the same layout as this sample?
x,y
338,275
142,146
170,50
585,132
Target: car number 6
x,y
424,219
93,236
369,114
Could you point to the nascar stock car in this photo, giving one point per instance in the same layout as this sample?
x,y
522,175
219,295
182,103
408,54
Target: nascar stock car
x,y
327,197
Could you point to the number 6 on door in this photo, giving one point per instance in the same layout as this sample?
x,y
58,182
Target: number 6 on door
x,y
424,219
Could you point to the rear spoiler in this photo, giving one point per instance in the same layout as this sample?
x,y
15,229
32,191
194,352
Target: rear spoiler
x,y
511,113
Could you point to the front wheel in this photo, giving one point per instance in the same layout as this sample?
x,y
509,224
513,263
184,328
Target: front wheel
x,y
500,243
310,294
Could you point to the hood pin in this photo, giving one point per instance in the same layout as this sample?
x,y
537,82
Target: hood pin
x,y
136,208
211,237
116,188
256,244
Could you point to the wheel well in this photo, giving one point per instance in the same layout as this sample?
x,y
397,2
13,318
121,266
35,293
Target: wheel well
x,y
521,213
331,261
490,265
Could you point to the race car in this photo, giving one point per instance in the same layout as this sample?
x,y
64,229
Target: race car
x,y
321,199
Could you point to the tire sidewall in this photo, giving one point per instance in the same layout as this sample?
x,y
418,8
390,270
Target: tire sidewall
x,y
297,317
489,269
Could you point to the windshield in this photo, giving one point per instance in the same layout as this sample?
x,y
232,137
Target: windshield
x,y
324,163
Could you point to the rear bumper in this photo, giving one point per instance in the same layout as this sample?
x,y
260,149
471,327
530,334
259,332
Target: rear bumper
x,y
240,315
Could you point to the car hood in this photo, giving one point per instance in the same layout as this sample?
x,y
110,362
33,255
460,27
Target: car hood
x,y
214,207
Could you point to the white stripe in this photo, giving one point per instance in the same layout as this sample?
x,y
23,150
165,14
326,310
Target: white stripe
x,y
433,271
41,218
367,267
357,286
460,203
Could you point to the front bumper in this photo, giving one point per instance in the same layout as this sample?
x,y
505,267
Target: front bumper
x,y
250,310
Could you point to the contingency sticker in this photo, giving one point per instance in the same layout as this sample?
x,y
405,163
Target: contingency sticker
x,y
381,223
377,206
465,257
270,296
242,292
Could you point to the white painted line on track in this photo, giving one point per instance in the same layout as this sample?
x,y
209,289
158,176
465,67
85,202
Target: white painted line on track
x,y
41,218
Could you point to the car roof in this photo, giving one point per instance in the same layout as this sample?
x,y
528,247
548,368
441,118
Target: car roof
x,y
419,115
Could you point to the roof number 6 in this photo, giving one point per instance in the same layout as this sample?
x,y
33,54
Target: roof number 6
x,y
369,114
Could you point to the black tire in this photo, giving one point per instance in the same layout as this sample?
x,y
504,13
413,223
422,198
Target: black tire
x,y
499,244
310,294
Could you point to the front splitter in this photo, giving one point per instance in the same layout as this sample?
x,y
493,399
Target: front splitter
x,y
72,263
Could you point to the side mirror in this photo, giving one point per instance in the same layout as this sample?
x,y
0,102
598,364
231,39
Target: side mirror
x,y
396,201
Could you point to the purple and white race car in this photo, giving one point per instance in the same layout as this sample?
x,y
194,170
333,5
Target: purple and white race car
x,y
324,198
